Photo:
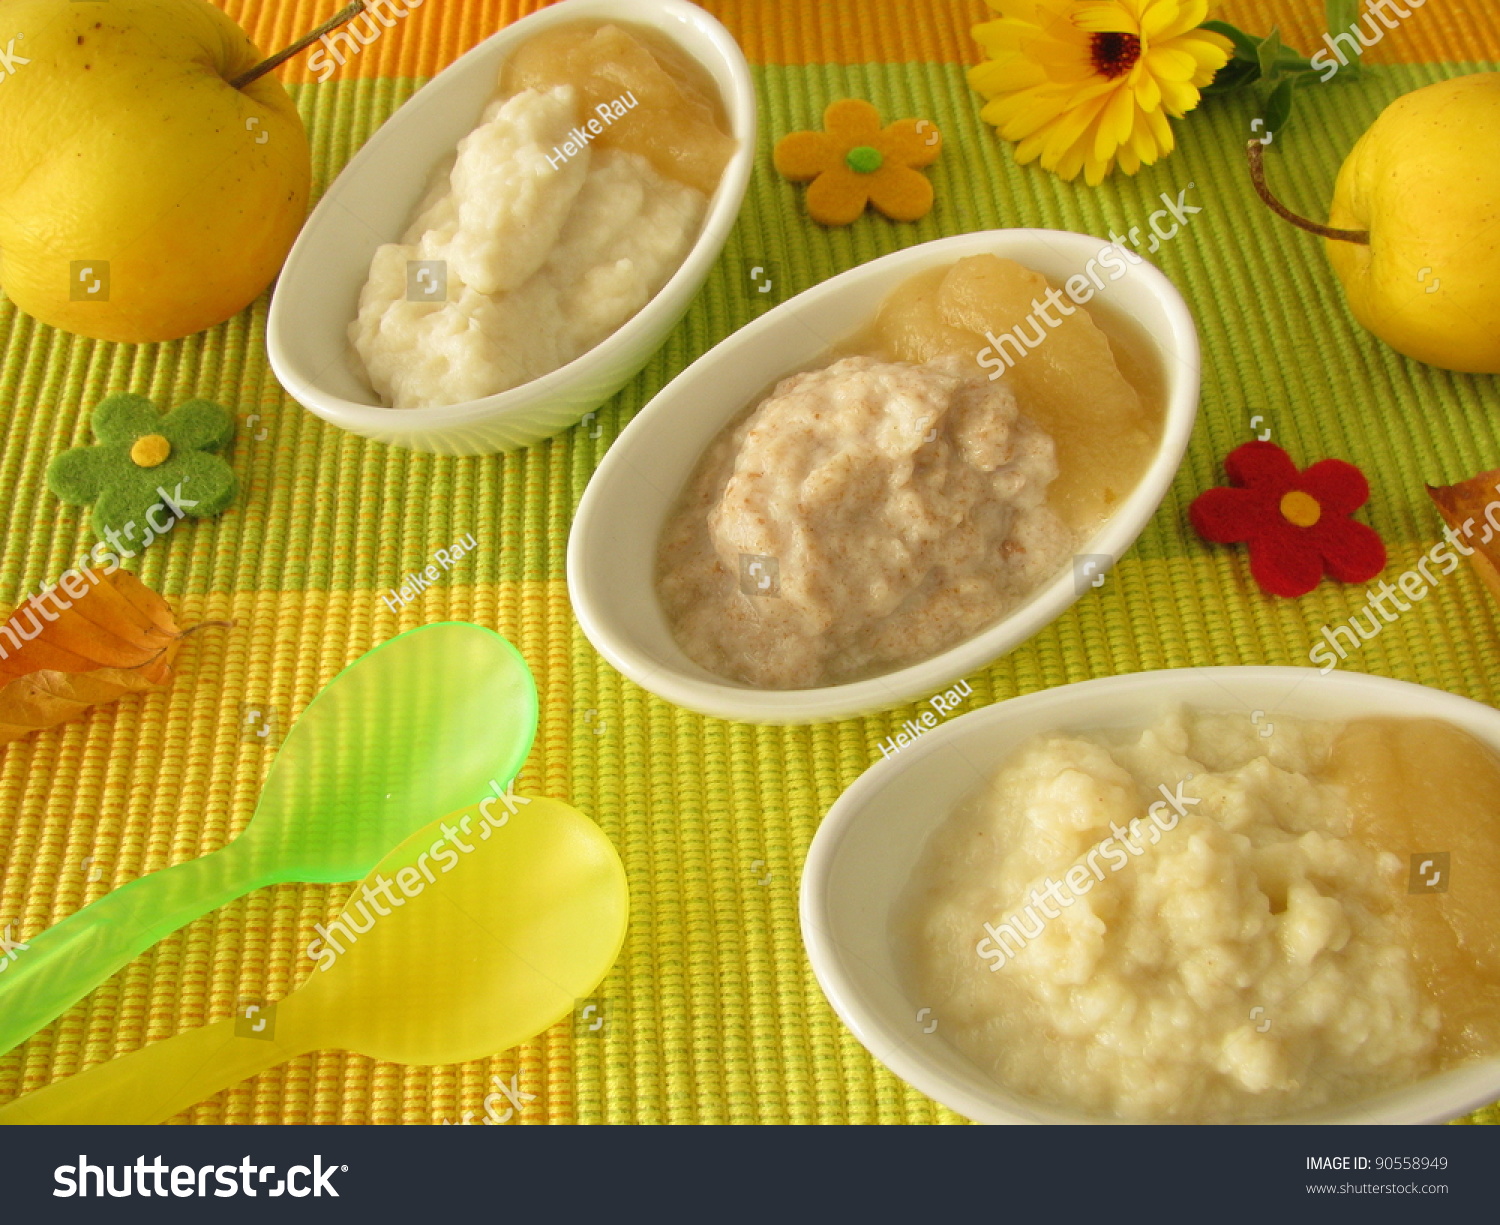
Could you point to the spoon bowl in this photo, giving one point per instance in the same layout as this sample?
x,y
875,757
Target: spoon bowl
x,y
422,723
501,944
478,949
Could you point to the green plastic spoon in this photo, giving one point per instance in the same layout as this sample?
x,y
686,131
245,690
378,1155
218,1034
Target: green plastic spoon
x,y
428,721
479,949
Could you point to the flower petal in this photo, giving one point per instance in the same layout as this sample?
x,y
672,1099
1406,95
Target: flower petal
x,y
1065,51
1229,516
1171,64
838,195
1162,130
78,476
851,121
1022,114
1105,17
1115,122
1095,168
122,507
804,155
1157,17
1147,91
1067,166
1177,97
1028,150
1065,64
1073,128
198,425
1263,466
1167,19
1352,552
1339,487
1143,143
1285,563
910,142
124,417
992,77
202,483
1210,52
900,193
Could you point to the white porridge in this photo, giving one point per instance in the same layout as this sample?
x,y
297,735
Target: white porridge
x,y
556,220
1174,925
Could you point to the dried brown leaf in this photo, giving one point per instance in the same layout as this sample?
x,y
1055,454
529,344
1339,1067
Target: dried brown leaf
x,y
117,637
1472,509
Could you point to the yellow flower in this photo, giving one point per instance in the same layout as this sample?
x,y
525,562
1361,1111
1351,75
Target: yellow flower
x,y
1084,84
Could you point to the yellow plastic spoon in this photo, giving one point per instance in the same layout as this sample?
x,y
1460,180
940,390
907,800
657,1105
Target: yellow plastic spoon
x,y
478,949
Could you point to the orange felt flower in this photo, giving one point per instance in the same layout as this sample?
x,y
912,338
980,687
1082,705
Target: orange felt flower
x,y
854,162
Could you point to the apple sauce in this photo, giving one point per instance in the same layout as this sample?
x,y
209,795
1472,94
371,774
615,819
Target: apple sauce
x,y
1092,384
680,126
1430,792
883,507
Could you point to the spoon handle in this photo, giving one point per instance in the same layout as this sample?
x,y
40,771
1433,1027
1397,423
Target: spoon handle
x,y
154,1083
52,971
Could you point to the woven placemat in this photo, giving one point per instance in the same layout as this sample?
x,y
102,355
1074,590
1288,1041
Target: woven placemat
x,y
712,1013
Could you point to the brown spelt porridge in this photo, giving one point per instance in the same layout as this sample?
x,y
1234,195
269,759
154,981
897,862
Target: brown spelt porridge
x,y
882,508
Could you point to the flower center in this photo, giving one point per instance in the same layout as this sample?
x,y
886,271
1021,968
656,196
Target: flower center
x,y
150,450
864,159
1300,508
1114,53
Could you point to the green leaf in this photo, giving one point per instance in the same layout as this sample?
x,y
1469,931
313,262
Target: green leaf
x,y
1279,105
1343,16
1244,45
1234,75
1268,52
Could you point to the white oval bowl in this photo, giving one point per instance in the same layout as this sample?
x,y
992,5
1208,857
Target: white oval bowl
x,y
863,854
372,202
612,549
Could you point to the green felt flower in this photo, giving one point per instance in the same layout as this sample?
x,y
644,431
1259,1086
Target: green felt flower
x,y
144,461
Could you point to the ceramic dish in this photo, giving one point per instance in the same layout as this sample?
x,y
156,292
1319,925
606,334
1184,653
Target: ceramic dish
x,y
612,549
372,200
863,854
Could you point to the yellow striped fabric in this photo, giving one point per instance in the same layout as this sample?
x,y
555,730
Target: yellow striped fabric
x,y
712,1013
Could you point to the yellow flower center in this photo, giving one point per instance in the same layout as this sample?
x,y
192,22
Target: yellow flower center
x,y
864,159
150,450
1114,53
1300,508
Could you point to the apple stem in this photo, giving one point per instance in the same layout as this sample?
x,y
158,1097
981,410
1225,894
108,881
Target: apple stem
x,y
281,57
1256,152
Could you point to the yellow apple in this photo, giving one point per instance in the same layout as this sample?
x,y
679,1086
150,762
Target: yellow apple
x,y
142,197
1424,180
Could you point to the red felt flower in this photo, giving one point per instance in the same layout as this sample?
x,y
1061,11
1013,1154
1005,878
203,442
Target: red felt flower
x,y
1297,524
